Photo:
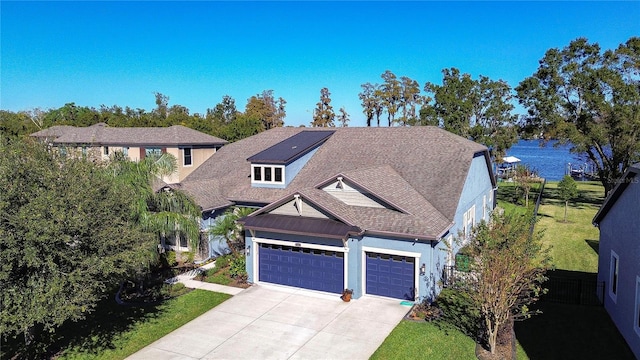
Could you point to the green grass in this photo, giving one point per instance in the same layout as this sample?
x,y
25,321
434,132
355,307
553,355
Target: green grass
x,y
115,332
220,273
573,243
425,340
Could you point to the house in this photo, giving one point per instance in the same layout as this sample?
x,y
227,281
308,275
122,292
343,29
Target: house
x,y
373,210
191,148
619,256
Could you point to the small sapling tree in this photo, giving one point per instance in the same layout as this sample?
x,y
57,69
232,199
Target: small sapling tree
x,y
568,190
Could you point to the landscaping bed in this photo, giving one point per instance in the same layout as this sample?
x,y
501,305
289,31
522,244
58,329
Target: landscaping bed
x,y
229,270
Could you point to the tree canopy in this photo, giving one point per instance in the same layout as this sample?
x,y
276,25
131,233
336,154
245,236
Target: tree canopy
x,y
507,269
480,110
262,112
68,234
592,100
323,115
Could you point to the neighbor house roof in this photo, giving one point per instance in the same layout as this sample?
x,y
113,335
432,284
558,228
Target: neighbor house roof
x,y
419,171
623,182
101,134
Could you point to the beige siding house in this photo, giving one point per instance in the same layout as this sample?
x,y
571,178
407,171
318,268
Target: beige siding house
x,y
191,148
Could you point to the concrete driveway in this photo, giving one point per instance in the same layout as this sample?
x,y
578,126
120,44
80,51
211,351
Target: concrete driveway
x,y
271,322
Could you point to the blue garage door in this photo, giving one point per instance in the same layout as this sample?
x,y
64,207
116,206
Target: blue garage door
x,y
313,269
391,276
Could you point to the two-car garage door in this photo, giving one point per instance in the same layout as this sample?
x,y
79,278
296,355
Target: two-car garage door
x,y
323,270
314,269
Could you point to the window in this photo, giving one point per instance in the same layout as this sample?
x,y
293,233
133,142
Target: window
x,y
468,221
106,151
187,157
157,152
84,151
484,207
272,174
636,322
125,151
613,276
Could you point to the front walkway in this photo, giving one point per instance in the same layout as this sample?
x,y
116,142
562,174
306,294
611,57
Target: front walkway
x,y
272,322
187,280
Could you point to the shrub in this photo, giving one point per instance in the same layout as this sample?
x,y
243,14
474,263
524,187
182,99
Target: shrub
x,y
221,263
459,311
168,258
238,268
188,257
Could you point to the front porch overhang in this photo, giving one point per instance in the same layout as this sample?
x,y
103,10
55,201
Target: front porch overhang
x,y
299,225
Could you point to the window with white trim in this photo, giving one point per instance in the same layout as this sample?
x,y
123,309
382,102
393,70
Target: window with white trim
x,y
106,151
484,207
267,174
468,221
636,318
186,157
125,151
614,267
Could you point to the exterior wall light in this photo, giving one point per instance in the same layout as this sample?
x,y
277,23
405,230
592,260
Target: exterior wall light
x,y
423,269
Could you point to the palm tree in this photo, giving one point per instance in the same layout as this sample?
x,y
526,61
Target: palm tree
x,y
166,212
227,227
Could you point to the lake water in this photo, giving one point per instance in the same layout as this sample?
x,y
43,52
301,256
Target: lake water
x,y
549,161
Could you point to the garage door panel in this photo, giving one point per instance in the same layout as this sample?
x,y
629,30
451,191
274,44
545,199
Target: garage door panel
x,y
390,276
301,267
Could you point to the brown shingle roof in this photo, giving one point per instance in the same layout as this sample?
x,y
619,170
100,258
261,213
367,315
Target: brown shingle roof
x,y
422,170
101,134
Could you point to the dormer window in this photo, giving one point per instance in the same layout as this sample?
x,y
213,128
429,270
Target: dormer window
x,y
267,174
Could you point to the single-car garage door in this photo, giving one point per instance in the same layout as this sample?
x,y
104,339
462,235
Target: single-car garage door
x,y
313,269
390,275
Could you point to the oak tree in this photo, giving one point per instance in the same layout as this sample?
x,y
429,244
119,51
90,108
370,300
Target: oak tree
x,y
590,99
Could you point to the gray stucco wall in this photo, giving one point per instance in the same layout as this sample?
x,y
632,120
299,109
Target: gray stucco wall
x,y
620,233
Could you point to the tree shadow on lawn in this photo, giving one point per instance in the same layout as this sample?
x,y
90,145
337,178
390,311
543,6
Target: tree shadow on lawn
x,y
568,331
594,244
98,331
592,197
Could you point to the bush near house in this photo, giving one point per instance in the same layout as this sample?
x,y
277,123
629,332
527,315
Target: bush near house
x,y
229,270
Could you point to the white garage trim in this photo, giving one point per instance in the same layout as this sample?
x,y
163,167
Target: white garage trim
x,y
416,265
256,241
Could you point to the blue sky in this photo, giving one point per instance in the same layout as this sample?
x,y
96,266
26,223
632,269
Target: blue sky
x,y
120,53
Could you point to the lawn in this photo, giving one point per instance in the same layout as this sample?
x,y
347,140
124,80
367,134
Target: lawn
x,y
115,331
426,340
574,244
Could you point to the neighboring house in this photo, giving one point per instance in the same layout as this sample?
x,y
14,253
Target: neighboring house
x,y
369,209
191,148
619,256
